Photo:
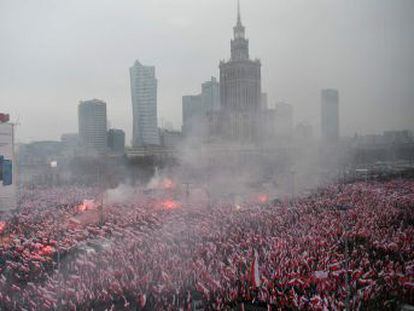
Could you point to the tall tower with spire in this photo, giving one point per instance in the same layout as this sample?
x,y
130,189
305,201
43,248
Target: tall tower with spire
x,y
239,45
240,90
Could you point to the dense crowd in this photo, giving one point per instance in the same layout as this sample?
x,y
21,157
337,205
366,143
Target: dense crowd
x,y
346,245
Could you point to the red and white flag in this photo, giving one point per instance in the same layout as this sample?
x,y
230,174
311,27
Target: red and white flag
x,y
142,300
255,274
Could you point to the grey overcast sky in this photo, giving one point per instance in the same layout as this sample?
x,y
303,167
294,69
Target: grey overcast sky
x,y
54,53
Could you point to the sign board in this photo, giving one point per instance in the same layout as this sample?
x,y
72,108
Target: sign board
x,y
7,170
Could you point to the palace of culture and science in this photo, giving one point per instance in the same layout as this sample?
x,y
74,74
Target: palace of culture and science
x,y
240,91
240,117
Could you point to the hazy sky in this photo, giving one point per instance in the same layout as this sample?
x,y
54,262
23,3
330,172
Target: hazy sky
x,y
54,53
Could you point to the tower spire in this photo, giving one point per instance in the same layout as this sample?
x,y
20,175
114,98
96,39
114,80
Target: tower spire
x,y
238,13
239,28
239,45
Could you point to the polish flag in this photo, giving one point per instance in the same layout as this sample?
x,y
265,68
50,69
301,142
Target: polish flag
x,y
142,300
255,274
202,289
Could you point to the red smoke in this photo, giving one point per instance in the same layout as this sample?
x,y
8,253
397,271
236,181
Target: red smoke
x,y
2,226
46,250
170,204
86,205
262,198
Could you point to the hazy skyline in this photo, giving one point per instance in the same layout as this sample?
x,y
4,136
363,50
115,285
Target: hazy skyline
x,y
55,53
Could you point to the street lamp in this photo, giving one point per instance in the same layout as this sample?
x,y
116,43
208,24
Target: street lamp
x,y
292,176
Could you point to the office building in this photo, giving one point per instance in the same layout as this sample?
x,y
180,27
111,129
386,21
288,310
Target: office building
x,y
263,101
303,132
170,138
277,123
329,115
116,141
194,114
210,93
93,126
284,120
196,109
144,105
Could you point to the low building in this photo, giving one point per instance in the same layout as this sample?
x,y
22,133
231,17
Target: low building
x,y
398,137
70,144
8,189
170,139
40,163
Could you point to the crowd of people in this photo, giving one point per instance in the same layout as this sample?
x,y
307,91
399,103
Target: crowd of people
x,y
343,246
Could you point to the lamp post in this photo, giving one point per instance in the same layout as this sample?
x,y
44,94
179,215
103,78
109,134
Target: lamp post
x,y
187,190
292,186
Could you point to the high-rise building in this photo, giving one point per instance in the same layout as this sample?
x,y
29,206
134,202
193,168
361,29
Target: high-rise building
x,y
92,126
277,123
303,132
196,108
116,140
263,101
329,115
210,92
284,120
194,113
240,90
144,105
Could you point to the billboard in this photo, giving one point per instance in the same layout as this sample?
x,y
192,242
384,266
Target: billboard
x,y
7,168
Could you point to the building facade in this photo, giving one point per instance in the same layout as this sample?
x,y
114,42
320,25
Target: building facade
x,y
70,143
263,101
93,126
283,121
170,139
144,105
210,93
398,137
116,141
194,113
303,132
240,91
329,115
277,124
8,188
197,108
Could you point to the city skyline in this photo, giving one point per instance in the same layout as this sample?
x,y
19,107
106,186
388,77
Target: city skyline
x,y
374,69
206,155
